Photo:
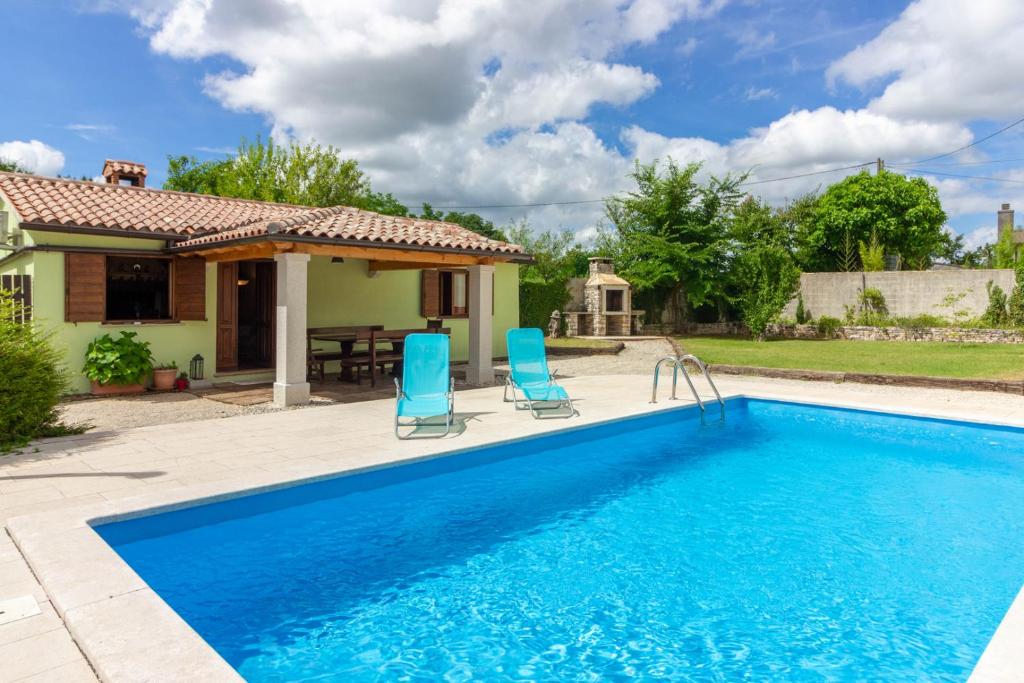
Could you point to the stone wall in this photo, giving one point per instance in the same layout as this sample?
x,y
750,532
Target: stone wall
x,y
907,293
858,332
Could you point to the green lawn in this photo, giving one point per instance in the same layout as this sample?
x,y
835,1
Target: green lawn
x,y
934,359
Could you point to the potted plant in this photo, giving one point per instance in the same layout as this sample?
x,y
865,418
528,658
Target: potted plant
x,y
118,366
164,376
181,384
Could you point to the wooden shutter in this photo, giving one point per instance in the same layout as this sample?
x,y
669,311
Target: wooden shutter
x,y
189,288
85,287
227,316
430,294
21,287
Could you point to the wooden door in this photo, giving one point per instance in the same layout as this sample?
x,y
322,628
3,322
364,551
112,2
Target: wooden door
x,y
227,316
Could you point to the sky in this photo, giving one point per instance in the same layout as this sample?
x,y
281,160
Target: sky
x,y
547,103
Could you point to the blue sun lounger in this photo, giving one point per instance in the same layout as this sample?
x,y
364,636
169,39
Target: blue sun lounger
x,y
529,375
427,388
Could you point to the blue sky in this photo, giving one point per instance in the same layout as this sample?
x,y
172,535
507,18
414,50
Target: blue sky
x,y
467,106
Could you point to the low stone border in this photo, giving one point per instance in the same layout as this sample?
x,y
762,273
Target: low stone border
x,y
1002,386
610,350
956,335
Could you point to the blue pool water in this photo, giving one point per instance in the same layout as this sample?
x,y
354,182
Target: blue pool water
x,y
789,543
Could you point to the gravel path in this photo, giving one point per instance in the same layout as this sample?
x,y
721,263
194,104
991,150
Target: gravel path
x,y
638,358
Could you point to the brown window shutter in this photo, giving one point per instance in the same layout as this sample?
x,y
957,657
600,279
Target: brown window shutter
x,y
20,288
85,287
430,294
189,288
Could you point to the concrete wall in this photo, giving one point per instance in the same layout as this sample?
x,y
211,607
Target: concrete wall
x,y
907,293
577,296
339,294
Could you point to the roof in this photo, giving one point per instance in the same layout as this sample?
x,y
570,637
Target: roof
x,y
123,167
196,220
606,279
347,223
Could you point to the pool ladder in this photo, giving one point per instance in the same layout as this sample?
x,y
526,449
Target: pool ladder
x,y
679,363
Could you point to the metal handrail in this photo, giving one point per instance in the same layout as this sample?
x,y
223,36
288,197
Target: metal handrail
x,y
679,363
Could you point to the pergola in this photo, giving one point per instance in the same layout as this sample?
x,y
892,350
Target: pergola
x,y
292,254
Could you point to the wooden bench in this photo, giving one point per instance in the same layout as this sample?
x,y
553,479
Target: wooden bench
x,y
375,358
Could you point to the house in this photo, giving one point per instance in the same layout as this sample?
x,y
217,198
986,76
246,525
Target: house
x,y
238,282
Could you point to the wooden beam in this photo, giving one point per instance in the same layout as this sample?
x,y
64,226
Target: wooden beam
x,y
422,259
245,252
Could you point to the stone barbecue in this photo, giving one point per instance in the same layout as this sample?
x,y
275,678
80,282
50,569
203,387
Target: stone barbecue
x,y
602,304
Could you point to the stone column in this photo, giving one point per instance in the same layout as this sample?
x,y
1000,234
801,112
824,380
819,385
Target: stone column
x,y
290,386
481,364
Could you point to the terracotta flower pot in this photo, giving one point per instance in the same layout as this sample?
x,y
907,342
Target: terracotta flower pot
x,y
112,389
163,379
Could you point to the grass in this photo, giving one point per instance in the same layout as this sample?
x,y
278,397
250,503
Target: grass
x,y
928,359
577,343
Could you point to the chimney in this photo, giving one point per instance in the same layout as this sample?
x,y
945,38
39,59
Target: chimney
x,y
124,173
598,264
1004,220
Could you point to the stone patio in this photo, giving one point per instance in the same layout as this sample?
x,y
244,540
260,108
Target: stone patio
x,y
118,622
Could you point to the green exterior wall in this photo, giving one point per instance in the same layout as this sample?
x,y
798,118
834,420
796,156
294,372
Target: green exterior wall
x,y
339,294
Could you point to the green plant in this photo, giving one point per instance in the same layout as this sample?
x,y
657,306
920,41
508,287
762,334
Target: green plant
x,y
847,259
32,379
828,326
1015,305
118,361
921,321
166,366
538,299
1005,250
872,310
803,316
996,313
872,254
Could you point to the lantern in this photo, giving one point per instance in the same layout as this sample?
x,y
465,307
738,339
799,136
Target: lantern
x,y
195,368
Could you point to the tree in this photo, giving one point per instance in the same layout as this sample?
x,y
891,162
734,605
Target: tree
x,y
671,234
872,254
1015,306
12,166
542,284
1005,251
905,213
306,174
764,276
470,221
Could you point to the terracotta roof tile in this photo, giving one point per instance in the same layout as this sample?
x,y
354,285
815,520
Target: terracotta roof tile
x,y
123,167
207,219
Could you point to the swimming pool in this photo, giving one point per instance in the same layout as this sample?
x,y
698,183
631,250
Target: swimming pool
x,y
792,541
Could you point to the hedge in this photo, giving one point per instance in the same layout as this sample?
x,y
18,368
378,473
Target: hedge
x,y
538,299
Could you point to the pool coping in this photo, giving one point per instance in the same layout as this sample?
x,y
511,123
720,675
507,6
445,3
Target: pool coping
x,y
127,632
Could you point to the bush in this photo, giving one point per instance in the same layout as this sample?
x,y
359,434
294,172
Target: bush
x,y
537,299
828,326
803,316
32,378
921,321
1015,306
118,361
996,314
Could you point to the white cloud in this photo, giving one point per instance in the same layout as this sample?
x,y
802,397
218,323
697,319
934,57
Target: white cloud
x,y
950,61
90,131
978,237
751,42
688,47
753,94
36,156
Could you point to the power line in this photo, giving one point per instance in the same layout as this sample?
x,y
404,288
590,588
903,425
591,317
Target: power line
x,y
976,142
599,201
969,177
971,163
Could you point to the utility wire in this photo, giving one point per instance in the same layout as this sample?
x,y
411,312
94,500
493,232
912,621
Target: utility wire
x,y
969,163
969,177
976,142
597,201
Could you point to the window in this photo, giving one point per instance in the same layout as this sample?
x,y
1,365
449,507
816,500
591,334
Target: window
x,y
138,288
613,301
454,284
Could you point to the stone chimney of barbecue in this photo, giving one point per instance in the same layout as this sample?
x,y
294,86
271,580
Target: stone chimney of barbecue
x,y
598,264
124,173
1004,220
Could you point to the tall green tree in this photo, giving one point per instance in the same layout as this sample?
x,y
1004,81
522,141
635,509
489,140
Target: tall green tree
x,y
670,236
12,166
763,275
1005,251
542,284
905,213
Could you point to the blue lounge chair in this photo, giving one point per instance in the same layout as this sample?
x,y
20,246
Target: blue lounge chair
x,y
427,388
529,374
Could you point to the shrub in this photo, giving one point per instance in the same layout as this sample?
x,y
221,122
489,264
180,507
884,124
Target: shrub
x,y
1015,305
118,361
828,326
32,378
537,299
996,314
921,321
872,254
803,316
